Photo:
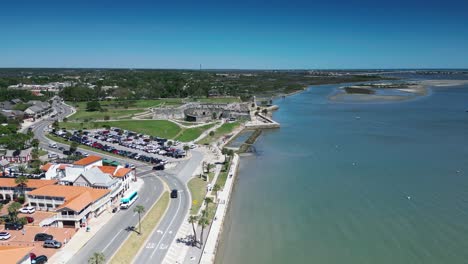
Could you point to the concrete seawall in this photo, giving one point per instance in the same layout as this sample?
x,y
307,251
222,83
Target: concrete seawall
x,y
211,245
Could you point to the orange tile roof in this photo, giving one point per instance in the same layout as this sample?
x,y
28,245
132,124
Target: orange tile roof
x,y
63,166
12,254
122,172
79,202
75,196
32,183
88,160
46,167
107,169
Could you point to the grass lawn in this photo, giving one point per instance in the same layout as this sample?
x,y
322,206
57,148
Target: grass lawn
x,y
42,152
217,100
158,128
226,128
190,134
120,109
97,115
222,177
197,187
134,242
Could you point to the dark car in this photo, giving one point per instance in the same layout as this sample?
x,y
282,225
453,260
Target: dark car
x,y
43,237
39,260
13,226
61,148
159,167
174,193
67,152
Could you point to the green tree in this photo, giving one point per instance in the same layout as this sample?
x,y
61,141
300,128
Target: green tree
x,y
139,209
169,143
203,222
192,220
35,143
21,181
208,200
216,189
73,147
35,154
13,211
186,148
212,133
93,106
65,119
106,117
97,258
21,169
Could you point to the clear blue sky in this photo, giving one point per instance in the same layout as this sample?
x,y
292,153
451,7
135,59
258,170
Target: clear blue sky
x,y
236,34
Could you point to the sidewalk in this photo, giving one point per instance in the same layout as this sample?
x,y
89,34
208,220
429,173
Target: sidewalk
x,y
210,247
82,237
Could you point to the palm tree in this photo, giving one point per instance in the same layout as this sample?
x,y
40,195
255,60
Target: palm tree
x,y
186,148
203,222
22,169
21,181
208,200
97,258
139,209
193,219
13,211
216,189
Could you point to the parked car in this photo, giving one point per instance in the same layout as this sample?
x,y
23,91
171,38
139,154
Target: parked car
x,y
29,219
61,148
27,210
159,167
13,226
4,235
52,244
43,237
32,255
39,260
52,156
174,193
52,145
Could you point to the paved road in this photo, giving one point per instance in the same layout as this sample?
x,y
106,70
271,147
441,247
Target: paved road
x,y
113,234
159,241
109,238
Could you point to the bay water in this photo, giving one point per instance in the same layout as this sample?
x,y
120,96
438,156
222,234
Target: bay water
x,y
355,183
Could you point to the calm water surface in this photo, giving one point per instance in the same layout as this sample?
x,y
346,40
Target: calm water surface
x,y
355,183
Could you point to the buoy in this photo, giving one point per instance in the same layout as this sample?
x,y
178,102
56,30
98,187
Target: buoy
x,y
409,197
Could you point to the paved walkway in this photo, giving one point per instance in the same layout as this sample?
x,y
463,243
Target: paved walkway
x,y
82,237
211,245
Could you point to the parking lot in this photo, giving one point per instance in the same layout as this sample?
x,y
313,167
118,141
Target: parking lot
x,y
25,237
157,151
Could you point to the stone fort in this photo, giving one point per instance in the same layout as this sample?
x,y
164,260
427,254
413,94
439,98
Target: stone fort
x,y
203,112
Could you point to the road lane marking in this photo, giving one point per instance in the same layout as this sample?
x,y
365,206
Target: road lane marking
x,y
170,223
112,240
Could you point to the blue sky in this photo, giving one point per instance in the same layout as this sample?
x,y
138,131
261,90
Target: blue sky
x,y
234,34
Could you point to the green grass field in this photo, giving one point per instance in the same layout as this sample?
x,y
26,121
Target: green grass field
x,y
190,134
197,187
158,128
119,109
217,100
226,128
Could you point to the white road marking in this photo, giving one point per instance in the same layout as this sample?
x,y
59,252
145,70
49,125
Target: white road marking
x,y
111,241
163,247
159,231
170,223
150,245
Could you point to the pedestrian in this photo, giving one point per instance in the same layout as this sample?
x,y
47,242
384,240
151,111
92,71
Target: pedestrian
x,y
23,231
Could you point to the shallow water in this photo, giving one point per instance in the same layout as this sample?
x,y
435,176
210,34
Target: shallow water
x,y
355,183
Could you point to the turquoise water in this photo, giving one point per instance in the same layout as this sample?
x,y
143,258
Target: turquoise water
x,y
355,183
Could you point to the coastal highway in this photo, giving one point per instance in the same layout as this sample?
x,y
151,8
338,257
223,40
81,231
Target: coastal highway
x,y
160,239
110,237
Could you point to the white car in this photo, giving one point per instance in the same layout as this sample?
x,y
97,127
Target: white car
x,y
27,210
4,235
52,145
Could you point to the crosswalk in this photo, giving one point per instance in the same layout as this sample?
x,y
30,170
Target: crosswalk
x,y
178,251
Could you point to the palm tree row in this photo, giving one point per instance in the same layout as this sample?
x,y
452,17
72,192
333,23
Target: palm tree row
x,y
202,220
